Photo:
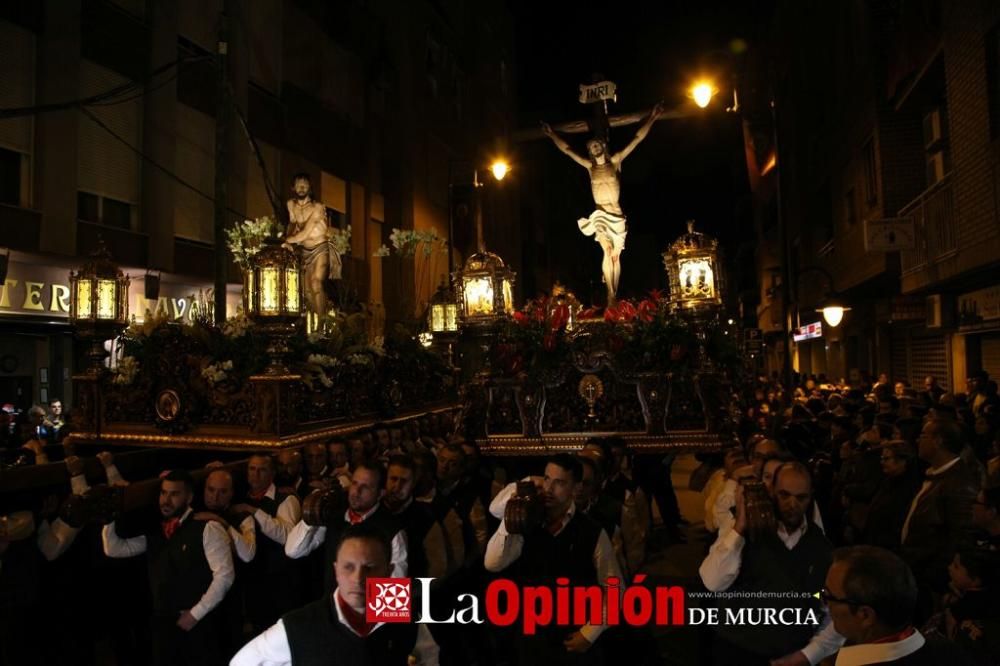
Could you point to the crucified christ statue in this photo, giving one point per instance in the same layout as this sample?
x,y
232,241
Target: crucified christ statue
x,y
607,223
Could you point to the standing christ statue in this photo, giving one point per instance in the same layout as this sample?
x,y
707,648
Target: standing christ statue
x,y
607,223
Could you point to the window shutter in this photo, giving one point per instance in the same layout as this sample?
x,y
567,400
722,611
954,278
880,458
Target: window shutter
x,y
195,158
106,166
17,85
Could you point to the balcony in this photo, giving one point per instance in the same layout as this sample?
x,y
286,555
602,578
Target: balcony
x,y
933,215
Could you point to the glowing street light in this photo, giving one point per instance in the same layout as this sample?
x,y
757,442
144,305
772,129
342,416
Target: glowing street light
x,y
500,168
702,93
833,313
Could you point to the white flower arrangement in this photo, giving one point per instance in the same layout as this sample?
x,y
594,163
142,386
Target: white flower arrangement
x,y
340,239
216,372
236,327
382,251
317,336
125,371
246,238
408,241
359,359
323,360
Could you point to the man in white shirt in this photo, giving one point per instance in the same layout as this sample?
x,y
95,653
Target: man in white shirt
x,y
796,561
568,544
272,584
190,569
334,629
871,595
364,506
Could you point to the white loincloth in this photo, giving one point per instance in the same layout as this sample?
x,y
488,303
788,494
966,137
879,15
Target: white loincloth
x,y
601,225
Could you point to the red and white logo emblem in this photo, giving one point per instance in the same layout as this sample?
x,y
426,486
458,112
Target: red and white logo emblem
x,y
388,600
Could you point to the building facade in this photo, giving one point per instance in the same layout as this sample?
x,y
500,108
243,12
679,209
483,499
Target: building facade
x,y
886,116
110,114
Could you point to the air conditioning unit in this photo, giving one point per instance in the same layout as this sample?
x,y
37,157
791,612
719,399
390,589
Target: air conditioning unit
x,y
933,133
935,167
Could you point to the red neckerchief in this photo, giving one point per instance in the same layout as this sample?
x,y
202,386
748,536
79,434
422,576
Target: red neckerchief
x,y
354,517
896,637
170,526
355,619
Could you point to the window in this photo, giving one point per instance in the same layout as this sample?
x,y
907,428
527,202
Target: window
x,y
850,208
336,219
103,210
10,177
871,175
88,207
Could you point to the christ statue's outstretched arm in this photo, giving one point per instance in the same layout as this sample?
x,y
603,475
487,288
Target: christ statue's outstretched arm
x,y
564,147
619,157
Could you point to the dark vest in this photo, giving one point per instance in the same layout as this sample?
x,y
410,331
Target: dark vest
x,y
317,638
461,499
417,520
178,570
606,511
381,521
570,553
270,558
768,566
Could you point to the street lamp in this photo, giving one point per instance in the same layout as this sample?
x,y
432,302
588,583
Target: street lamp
x,y
485,286
98,303
499,168
702,92
833,311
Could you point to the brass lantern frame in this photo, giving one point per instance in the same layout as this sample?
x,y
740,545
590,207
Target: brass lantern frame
x,y
272,299
484,290
695,273
98,303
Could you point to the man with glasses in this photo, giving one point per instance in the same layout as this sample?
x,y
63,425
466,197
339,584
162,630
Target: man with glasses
x,y
790,562
940,516
870,595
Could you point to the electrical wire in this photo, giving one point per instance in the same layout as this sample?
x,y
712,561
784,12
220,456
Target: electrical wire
x,y
156,164
102,98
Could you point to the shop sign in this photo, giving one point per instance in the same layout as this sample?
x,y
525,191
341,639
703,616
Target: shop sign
x,y
808,332
979,306
43,291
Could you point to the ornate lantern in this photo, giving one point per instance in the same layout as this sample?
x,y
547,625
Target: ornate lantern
x,y
98,303
692,263
442,316
272,298
486,290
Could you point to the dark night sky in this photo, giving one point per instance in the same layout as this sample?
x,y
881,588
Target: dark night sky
x,y
691,168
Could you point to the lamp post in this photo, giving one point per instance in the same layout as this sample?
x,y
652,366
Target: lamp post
x,y
485,285
98,304
442,319
700,91
831,307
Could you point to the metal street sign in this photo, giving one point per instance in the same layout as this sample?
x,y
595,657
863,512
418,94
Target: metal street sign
x,y
890,235
752,340
597,92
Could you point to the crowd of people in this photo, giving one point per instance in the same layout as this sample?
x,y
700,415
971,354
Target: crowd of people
x,y
24,434
263,561
886,498
874,510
